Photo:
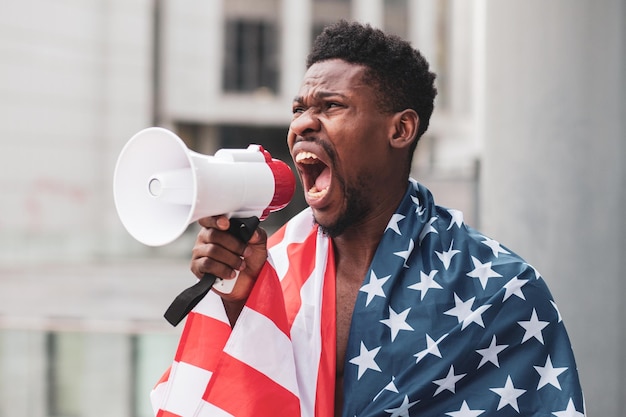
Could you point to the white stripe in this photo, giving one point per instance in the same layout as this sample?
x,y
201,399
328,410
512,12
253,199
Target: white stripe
x,y
306,331
187,384
296,231
257,342
211,305
157,396
209,410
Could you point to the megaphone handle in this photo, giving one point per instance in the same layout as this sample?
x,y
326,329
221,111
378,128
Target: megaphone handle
x,y
189,298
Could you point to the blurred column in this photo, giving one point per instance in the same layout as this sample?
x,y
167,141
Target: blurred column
x,y
553,184
107,376
369,11
22,373
296,42
423,29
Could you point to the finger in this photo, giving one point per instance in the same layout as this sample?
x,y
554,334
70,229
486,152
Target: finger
x,y
217,222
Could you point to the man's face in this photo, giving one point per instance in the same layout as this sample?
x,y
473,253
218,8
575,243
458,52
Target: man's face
x,y
338,141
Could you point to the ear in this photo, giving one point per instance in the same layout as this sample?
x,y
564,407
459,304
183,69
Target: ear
x,y
404,129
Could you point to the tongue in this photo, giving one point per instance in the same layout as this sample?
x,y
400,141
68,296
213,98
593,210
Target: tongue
x,y
323,180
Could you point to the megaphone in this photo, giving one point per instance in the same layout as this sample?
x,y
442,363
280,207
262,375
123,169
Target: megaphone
x,y
160,186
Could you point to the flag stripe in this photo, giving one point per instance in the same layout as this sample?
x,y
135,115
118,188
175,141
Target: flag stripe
x,y
325,392
245,392
194,348
262,332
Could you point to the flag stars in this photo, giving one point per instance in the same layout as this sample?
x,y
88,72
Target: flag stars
x,y
464,313
432,348
428,228
465,411
403,410
514,287
374,287
457,218
570,411
494,246
397,322
406,253
490,354
419,209
446,257
393,223
483,272
449,382
365,360
549,374
533,328
427,281
508,394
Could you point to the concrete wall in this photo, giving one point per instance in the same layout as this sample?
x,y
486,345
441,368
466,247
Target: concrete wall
x,y
553,184
75,84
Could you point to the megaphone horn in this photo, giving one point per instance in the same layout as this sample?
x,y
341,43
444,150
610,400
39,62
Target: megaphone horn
x,y
160,186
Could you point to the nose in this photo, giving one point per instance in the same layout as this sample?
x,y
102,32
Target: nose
x,y
305,123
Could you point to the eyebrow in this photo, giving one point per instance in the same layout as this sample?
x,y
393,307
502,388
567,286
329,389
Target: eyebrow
x,y
320,95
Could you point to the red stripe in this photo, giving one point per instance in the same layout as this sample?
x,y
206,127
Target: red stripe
x,y
164,377
163,413
202,341
301,266
244,392
326,377
267,298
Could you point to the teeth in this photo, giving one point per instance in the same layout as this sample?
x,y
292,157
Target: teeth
x,y
306,157
315,193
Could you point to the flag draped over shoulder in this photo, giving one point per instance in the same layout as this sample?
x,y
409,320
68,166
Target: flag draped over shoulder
x,y
451,323
448,322
279,359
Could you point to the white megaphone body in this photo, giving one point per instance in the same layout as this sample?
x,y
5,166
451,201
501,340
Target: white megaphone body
x,y
160,186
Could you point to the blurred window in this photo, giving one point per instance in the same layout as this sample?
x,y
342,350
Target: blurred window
x,y
251,56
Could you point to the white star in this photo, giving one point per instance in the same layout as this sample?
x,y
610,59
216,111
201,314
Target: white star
x,y
403,410
557,311
464,313
465,412
483,272
391,386
393,223
490,354
374,287
449,382
508,394
397,322
446,257
514,287
494,246
457,218
365,360
428,228
549,374
570,411
426,282
432,348
533,327
406,253
418,206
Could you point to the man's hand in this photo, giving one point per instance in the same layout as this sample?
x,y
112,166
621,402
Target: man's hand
x,y
219,253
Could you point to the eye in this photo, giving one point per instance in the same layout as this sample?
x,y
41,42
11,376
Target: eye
x,y
333,105
297,109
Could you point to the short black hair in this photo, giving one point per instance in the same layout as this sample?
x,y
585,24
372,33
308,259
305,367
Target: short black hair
x,y
399,72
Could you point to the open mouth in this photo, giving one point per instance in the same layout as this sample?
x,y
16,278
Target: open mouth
x,y
315,174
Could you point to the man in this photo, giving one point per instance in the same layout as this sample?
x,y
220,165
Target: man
x,y
389,304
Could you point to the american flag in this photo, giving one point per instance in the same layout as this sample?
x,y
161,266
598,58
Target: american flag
x,y
448,322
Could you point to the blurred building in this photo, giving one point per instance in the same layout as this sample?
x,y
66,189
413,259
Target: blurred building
x,y
81,302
